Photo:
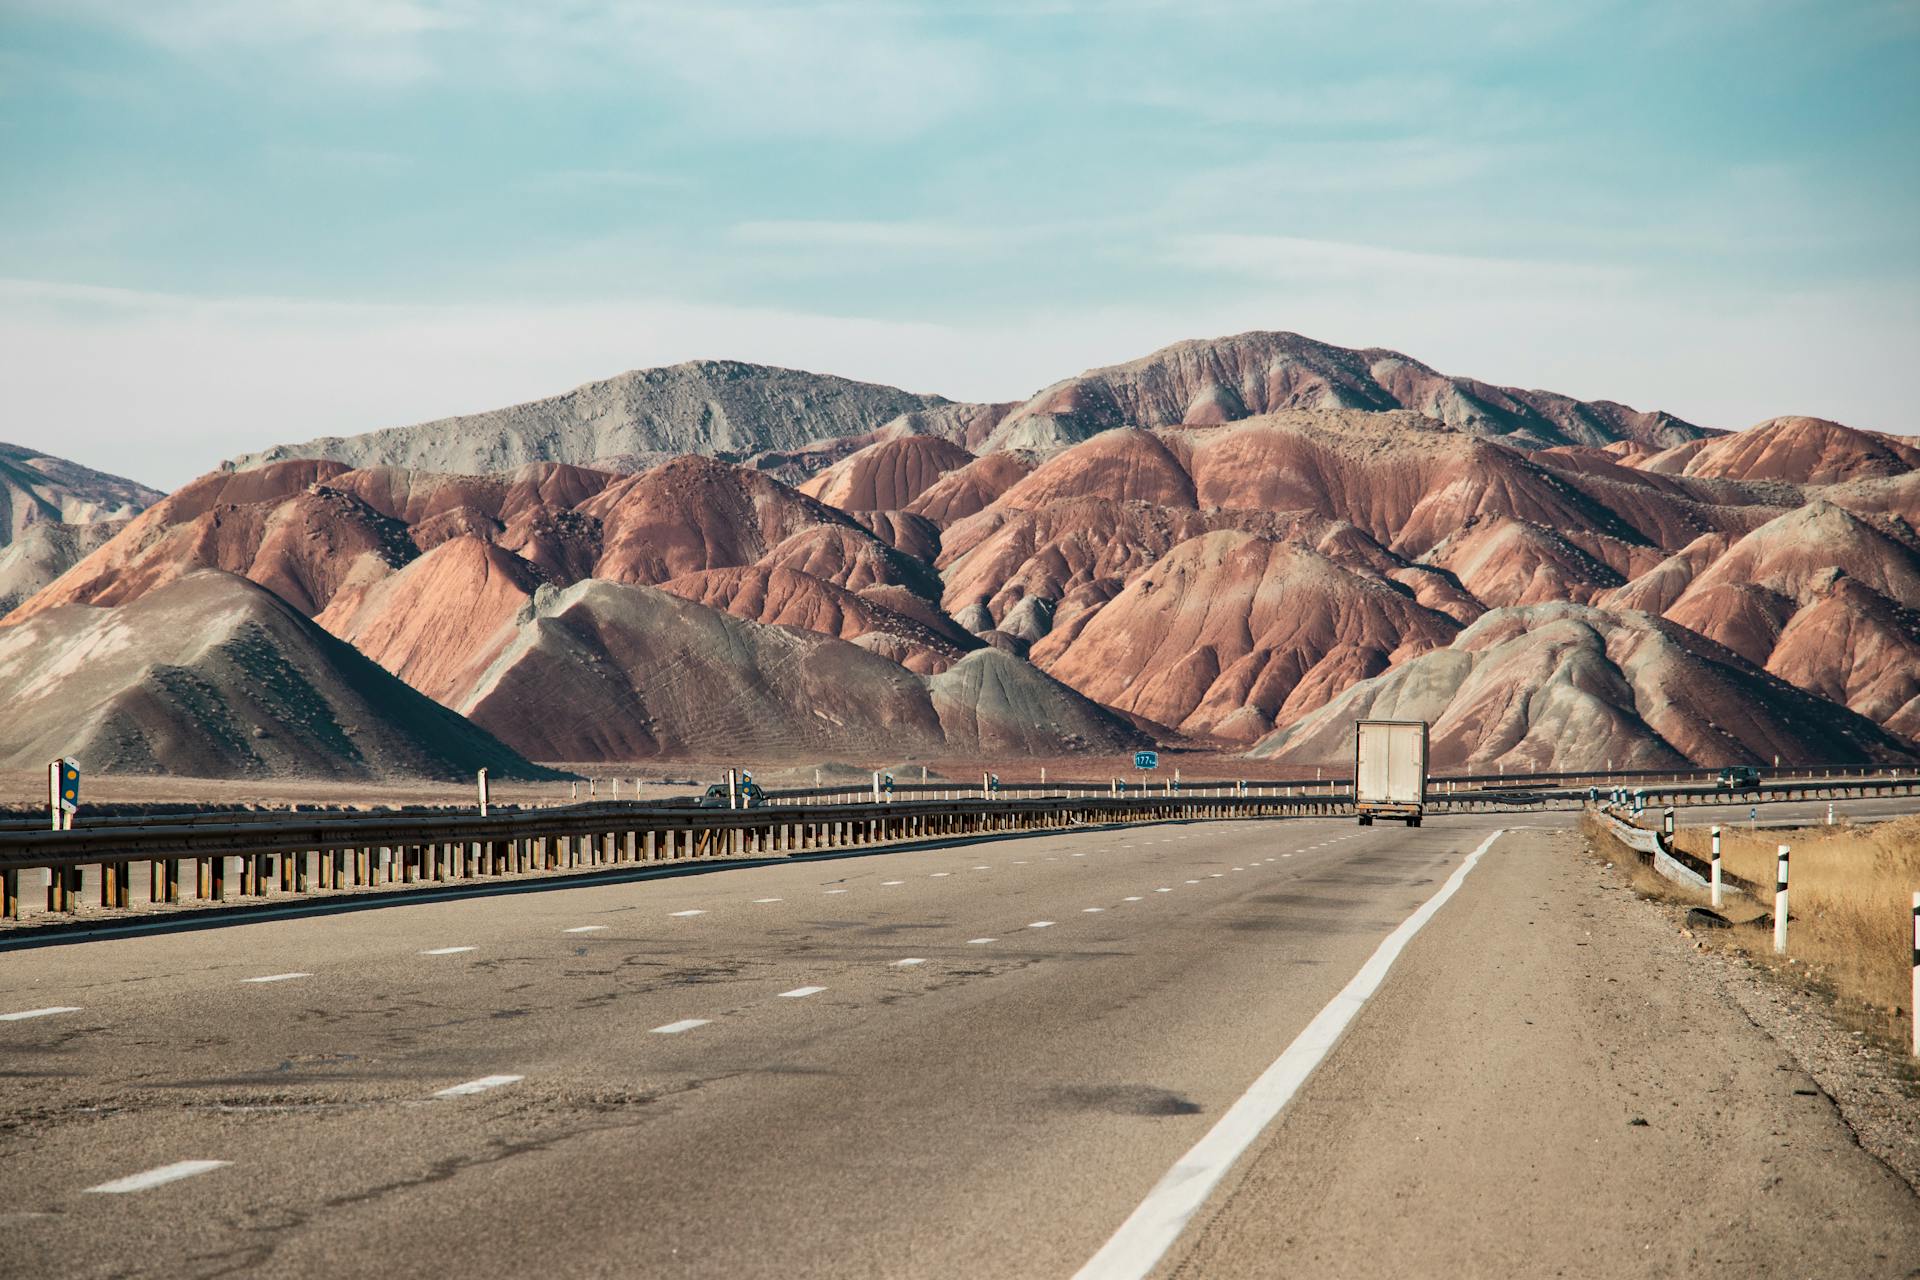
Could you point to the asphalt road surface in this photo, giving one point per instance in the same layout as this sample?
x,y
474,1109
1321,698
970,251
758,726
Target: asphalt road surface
x,y
1042,1056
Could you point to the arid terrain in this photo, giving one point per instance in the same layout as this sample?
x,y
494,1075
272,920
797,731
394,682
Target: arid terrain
x,y
1226,547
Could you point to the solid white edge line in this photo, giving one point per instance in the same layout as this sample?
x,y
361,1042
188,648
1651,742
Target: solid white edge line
x,y
696,911
801,993
445,951
158,1177
909,962
1150,1230
278,977
481,1085
51,1009
585,928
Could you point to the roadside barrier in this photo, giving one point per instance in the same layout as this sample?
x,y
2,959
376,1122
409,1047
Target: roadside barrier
x,y
333,853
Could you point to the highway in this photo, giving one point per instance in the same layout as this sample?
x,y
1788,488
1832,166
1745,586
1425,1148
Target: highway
x,y
974,1060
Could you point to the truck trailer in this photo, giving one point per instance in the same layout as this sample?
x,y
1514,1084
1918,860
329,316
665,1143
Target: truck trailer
x,y
1390,770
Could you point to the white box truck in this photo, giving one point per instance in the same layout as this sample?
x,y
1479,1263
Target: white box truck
x,y
1390,770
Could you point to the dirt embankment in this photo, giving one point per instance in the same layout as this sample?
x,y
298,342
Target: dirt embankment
x,y
1839,1001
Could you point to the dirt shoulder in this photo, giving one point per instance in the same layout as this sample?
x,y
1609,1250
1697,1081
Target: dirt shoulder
x,y
1554,1082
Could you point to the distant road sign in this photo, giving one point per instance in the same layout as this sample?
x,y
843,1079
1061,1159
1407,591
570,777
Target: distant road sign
x,y
1146,759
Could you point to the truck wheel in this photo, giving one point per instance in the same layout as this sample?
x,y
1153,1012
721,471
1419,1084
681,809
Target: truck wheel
x,y
1414,821
1366,820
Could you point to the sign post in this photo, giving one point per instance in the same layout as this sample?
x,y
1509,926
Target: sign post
x,y
63,801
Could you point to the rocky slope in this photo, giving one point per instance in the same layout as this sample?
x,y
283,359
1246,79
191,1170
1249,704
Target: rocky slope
x,y
212,676
1228,542
1563,686
794,424
603,671
38,489
1206,382
634,419
52,514
47,549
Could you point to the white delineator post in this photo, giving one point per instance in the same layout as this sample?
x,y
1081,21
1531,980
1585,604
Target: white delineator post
x,y
1829,813
482,779
1780,904
876,786
1714,883
1913,1009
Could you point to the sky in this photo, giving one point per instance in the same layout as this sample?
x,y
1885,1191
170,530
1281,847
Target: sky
x,y
231,223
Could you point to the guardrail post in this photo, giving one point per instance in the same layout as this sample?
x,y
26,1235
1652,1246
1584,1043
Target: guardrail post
x,y
1780,904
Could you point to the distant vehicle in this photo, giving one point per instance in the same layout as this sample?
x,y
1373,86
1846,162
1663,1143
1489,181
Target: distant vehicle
x,y
1390,770
751,796
1736,777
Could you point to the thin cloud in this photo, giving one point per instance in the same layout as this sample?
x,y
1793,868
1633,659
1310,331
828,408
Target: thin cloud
x,y
1295,258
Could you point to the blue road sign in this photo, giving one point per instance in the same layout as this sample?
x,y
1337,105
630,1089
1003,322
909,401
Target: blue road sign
x,y
1146,759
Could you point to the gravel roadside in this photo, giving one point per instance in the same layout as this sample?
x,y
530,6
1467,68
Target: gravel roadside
x,y
1553,1081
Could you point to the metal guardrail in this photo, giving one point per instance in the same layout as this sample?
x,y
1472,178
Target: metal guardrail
x,y
329,853
303,853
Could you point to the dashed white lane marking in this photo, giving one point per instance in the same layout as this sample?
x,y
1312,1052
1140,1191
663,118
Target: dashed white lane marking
x,y
983,867
1163,891
1079,855
1286,855
1133,899
158,1177
1091,910
890,882
936,875
1237,868
445,951
1019,862
278,977
836,891
685,1024
1144,1238
585,928
696,911
47,1012
1193,882
1041,924
481,1085
1218,875
909,962
801,993
980,942
764,901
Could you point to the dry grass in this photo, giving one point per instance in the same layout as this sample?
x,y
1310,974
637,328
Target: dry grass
x,y
1851,912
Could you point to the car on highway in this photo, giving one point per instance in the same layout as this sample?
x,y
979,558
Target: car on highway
x,y
715,796
1736,777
